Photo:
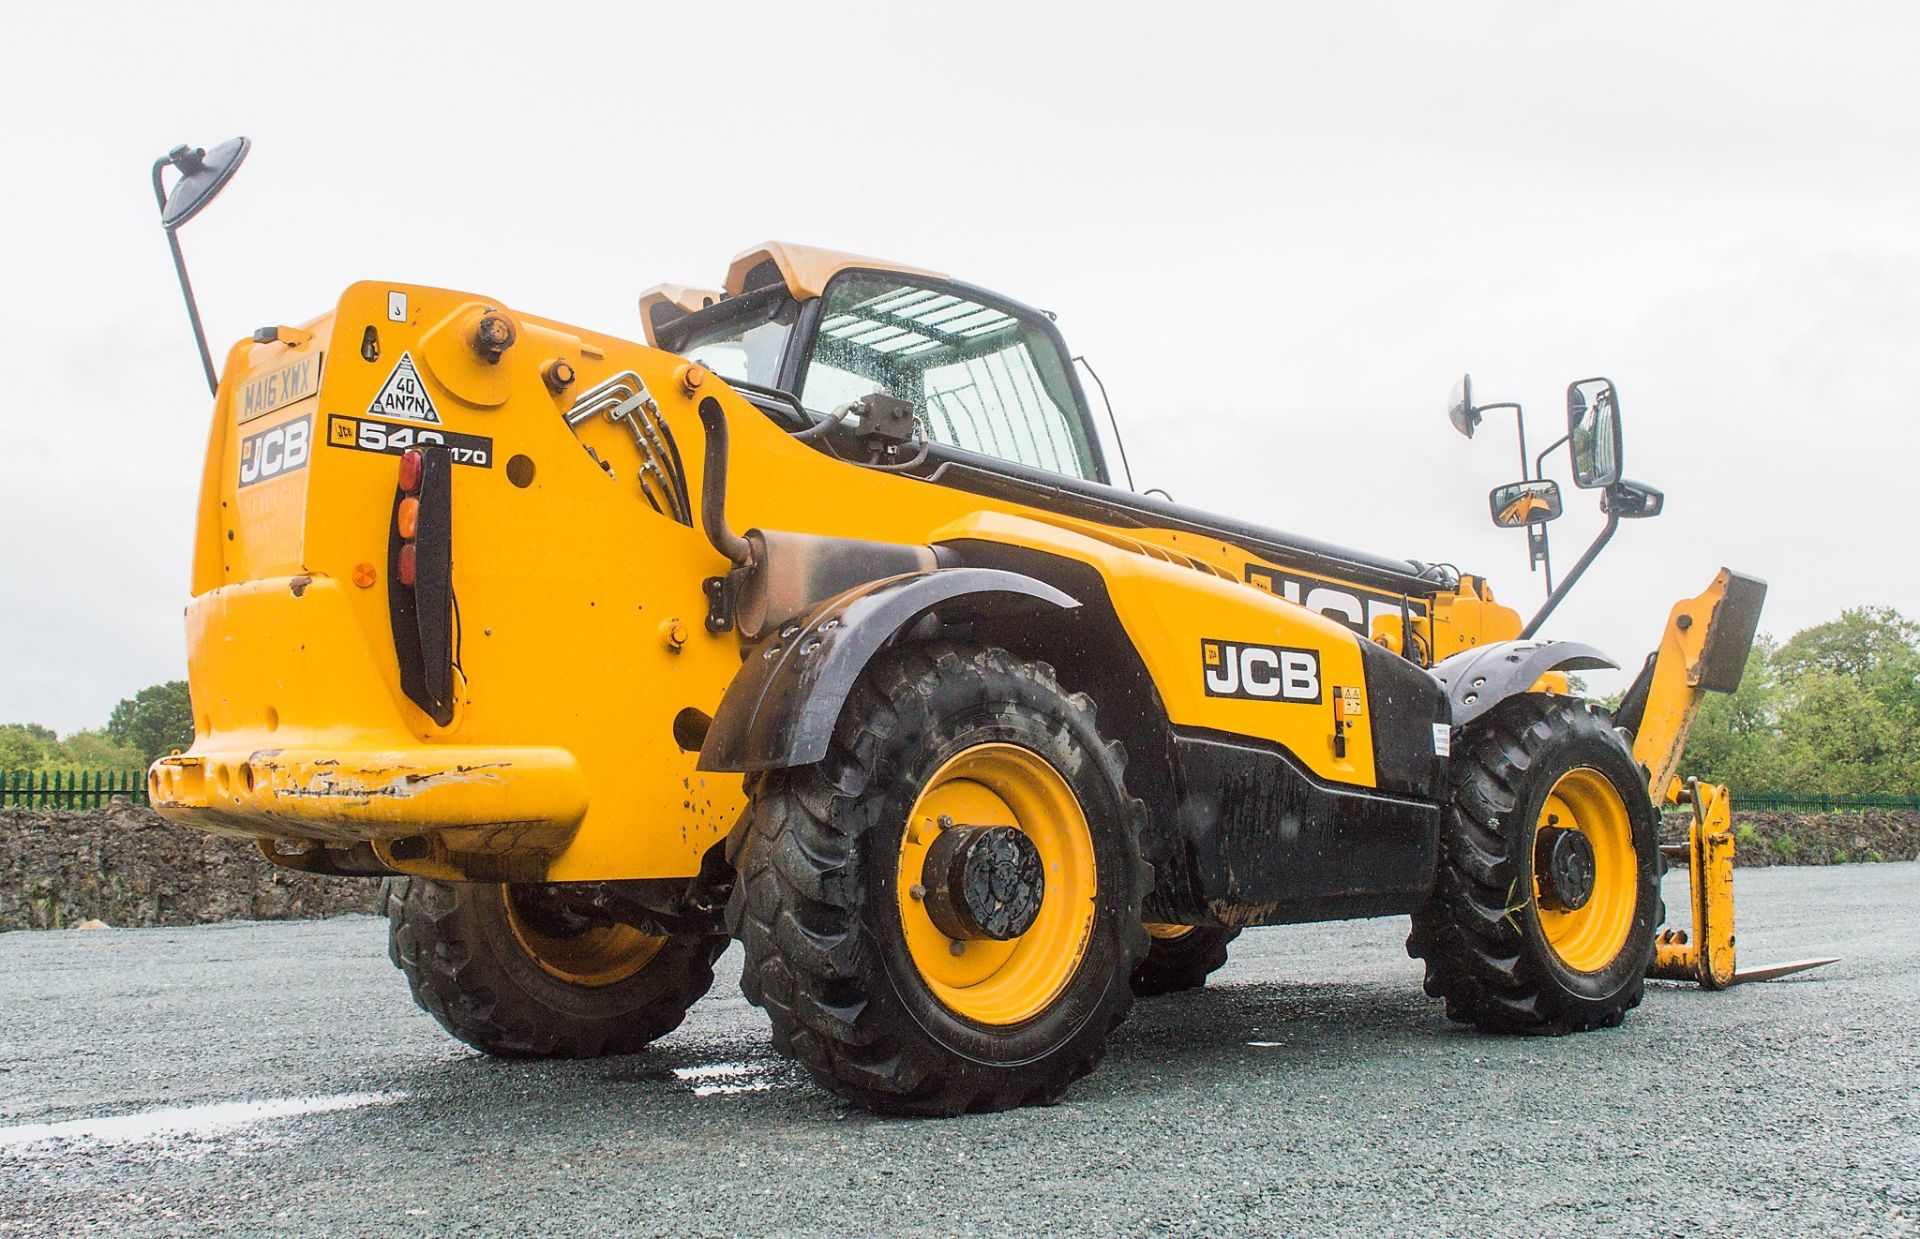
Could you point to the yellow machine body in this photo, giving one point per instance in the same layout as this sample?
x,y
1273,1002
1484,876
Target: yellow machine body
x,y
580,608
586,671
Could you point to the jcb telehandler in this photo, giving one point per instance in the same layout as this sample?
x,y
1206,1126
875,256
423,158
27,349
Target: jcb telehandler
x,y
965,744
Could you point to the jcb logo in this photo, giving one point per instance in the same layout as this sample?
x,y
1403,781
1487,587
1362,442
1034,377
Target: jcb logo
x,y
272,453
1260,672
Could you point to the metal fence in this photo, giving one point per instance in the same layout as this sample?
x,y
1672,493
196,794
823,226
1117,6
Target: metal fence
x,y
71,789
94,789
1804,802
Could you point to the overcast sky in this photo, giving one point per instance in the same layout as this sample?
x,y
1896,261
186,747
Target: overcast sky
x,y
1280,233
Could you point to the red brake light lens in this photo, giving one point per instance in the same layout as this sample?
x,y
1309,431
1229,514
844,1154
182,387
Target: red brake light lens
x,y
412,462
406,565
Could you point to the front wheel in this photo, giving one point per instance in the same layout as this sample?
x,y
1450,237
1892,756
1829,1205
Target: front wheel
x,y
1543,914
940,916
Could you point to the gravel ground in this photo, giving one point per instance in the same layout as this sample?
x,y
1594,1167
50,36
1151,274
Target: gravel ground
x,y
1311,1089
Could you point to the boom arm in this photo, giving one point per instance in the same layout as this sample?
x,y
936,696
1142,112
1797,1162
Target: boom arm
x,y
1703,649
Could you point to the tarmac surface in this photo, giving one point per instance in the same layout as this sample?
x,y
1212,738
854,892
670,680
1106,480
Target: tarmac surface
x,y
262,1078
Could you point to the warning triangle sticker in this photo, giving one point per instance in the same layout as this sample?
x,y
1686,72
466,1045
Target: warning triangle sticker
x,y
404,395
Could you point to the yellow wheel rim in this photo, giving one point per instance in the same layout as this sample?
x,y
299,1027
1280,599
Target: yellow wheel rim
x,y
990,982
1167,933
601,955
1589,937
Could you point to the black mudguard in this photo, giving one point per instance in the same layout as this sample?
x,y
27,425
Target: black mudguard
x,y
780,711
1478,679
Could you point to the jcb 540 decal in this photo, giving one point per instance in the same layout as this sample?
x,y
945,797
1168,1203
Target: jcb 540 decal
x,y
272,453
364,434
1260,672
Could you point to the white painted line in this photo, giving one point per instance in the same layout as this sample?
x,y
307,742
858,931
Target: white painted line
x,y
151,1125
750,1086
719,1071
719,1079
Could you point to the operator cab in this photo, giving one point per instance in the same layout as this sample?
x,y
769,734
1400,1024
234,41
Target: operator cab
x,y
801,331
987,376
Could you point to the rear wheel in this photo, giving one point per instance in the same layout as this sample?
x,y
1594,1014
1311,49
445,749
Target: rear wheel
x,y
1180,957
511,972
1543,914
940,916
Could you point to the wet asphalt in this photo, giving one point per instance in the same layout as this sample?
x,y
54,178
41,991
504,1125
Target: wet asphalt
x,y
1312,1089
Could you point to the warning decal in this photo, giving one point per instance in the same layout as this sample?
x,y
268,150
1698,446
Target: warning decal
x,y
404,395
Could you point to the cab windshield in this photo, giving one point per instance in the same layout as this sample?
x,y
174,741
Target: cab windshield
x,y
983,377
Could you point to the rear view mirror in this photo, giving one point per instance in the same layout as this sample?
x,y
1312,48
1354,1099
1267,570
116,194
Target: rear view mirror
x,y
1632,500
1524,503
1460,410
1593,432
203,174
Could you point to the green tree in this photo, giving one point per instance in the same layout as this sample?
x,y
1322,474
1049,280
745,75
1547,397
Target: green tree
x,y
1851,721
1864,644
1834,709
24,746
1735,739
96,750
154,721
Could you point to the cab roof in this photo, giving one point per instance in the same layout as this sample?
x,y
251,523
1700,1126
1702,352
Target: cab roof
x,y
804,269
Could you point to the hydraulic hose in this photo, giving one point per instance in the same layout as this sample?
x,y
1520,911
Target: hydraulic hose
x,y
713,488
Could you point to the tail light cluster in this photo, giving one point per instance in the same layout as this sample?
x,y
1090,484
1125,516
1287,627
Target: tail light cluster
x,y
406,514
420,565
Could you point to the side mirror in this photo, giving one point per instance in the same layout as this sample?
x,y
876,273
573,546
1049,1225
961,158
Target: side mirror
x,y
203,174
1593,432
1524,503
1460,410
1632,500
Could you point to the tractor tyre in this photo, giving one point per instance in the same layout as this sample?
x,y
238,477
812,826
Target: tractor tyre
x,y
1180,957
1543,913
513,975
940,916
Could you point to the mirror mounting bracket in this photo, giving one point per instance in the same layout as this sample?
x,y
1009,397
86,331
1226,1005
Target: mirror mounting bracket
x,y
203,174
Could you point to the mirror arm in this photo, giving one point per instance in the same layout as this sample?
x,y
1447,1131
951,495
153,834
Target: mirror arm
x,y
1573,577
1519,424
1540,461
186,286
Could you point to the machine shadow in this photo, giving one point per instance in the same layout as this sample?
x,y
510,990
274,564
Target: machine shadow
x,y
1253,1029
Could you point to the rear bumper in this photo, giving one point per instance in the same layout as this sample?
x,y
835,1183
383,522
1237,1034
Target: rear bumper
x,y
473,799
303,735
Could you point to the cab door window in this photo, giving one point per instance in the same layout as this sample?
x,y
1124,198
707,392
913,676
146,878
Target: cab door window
x,y
983,378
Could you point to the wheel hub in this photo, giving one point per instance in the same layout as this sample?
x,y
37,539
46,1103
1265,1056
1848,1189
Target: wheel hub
x,y
1565,862
983,882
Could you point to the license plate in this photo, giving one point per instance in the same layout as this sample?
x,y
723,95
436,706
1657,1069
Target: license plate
x,y
276,389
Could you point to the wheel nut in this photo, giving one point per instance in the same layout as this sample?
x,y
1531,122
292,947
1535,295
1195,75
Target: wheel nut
x,y
917,891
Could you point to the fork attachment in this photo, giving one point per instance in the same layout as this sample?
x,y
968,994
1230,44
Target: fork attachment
x,y
1707,957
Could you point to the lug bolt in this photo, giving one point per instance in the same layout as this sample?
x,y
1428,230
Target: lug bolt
x,y
917,891
957,948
